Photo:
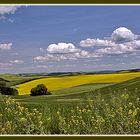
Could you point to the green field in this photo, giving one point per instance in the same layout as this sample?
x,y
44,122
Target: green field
x,y
15,79
11,77
73,94
80,93
58,83
81,104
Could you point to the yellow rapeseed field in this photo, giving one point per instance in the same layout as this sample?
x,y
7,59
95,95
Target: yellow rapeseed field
x,y
57,83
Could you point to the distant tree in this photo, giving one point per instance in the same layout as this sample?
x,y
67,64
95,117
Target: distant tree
x,y
8,91
4,90
40,89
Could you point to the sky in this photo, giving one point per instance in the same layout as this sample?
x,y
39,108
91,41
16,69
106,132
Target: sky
x,y
74,38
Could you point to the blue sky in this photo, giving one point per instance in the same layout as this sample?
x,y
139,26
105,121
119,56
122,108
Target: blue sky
x,y
69,38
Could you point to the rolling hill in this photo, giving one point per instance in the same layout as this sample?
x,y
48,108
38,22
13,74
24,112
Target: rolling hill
x,y
80,93
58,83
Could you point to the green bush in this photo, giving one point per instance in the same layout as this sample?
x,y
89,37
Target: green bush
x,y
8,91
39,90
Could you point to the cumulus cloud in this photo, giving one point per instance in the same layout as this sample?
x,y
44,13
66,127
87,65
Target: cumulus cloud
x,y
4,47
117,49
8,9
49,57
122,41
123,34
123,48
135,44
63,51
77,55
96,42
39,58
16,61
62,48
82,54
65,56
44,58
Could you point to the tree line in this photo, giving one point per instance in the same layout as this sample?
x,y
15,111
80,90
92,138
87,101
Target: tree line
x,y
40,89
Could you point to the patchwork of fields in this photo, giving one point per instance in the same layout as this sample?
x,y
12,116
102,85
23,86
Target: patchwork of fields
x,y
80,104
58,83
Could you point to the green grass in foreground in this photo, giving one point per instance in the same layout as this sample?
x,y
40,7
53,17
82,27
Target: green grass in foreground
x,y
102,109
119,114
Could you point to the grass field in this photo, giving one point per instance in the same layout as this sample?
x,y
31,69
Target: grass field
x,y
68,95
11,77
85,109
58,83
81,93
15,79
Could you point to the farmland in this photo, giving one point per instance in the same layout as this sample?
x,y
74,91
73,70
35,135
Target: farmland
x,y
79,104
15,79
58,83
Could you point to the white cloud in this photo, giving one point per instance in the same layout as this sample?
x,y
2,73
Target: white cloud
x,y
123,34
63,51
122,41
47,57
62,48
115,50
67,56
124,48
41,58
6,46
82,54
16,61
135,44
95,42
74,56
8,9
